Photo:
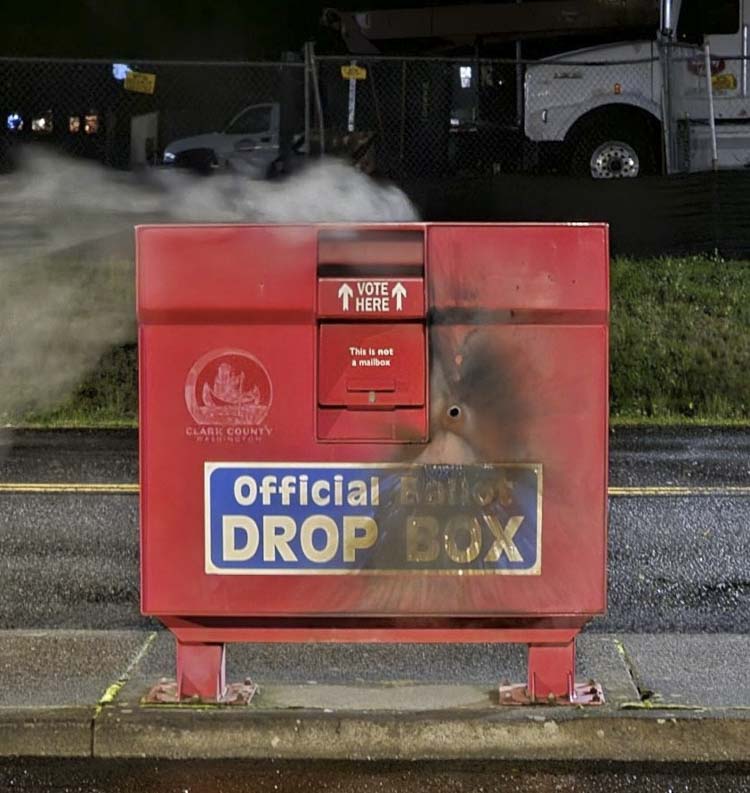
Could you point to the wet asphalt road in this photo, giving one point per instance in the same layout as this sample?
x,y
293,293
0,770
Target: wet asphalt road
x,y
677,564
278,777
645,456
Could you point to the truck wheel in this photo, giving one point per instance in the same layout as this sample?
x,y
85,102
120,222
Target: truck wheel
x,y
606,149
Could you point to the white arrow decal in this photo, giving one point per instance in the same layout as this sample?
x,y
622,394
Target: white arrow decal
x,y
399,292
345,293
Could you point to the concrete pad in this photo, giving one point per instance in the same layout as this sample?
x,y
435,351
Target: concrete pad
x,y
373,698
55,669
599,659
353,695
473,667
464,669
354,663
347,677
708,670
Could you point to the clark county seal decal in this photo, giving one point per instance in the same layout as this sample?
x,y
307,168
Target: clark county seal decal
x,y
228,388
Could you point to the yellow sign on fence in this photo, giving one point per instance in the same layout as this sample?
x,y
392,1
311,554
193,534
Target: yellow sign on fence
x,y
724,82
140,82
354,72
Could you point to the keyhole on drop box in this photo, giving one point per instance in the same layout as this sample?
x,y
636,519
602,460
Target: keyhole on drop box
x,y
371,397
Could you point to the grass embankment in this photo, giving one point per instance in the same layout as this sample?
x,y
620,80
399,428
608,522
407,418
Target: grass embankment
x,y
680,351
106,398
680,340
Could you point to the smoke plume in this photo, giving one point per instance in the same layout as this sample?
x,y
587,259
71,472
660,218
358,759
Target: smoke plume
x,y
66,252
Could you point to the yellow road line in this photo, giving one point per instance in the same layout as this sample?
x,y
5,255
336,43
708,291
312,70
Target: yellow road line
x,y
67,487
108,488
677,490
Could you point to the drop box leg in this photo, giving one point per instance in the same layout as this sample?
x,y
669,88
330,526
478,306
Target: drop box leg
x,y
201,671
551,671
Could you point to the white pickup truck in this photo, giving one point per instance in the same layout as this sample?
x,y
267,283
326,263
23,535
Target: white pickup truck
x,y
638,107
249,144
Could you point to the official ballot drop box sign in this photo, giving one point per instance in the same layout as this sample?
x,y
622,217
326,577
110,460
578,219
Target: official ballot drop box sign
x,y
388,432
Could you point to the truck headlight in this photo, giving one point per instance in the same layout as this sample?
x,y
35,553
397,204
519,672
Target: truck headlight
x,y
169,156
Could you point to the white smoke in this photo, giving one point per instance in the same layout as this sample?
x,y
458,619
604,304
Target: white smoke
x,y
66,252
329,191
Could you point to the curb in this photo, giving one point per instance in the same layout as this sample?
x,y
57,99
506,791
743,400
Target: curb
x,y
409,736
540,734
47,732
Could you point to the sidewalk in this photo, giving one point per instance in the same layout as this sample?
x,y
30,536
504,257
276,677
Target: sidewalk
x,y
77,694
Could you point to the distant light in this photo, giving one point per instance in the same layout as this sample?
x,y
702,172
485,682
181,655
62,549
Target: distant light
x,y
120,70
91,123
74,124
14,122
465,75
42,124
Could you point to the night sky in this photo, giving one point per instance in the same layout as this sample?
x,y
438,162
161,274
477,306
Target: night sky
x,y
190,29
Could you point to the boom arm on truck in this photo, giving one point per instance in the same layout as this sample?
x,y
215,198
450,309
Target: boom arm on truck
x,y
461,24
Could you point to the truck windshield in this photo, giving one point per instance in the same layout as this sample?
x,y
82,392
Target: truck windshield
x,y
698,17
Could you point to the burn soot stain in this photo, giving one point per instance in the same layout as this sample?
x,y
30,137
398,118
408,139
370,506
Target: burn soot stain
x,y
477,414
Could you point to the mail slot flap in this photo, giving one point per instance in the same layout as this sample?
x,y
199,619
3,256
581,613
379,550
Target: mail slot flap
x,y
372,366
392,248
370,383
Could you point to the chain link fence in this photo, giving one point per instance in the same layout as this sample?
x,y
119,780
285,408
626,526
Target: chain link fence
x,y
427,117
402,117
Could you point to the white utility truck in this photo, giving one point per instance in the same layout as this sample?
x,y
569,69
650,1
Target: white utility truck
x,y
678,103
